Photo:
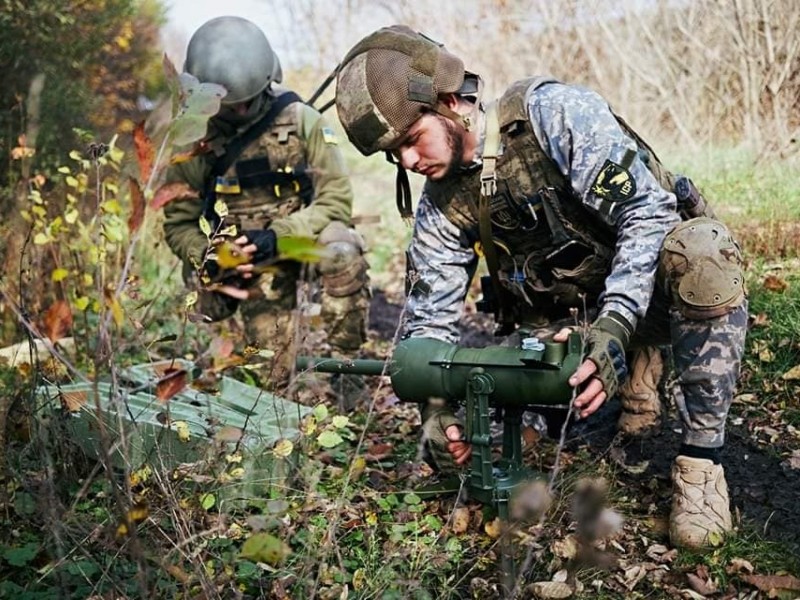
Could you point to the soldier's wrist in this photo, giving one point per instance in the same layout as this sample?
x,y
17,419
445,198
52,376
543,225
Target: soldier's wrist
x,y
616,325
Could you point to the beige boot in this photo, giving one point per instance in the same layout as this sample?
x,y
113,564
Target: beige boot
x,y
641,406
701,512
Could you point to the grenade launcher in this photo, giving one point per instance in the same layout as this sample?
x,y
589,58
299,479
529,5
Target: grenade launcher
x,y
509,379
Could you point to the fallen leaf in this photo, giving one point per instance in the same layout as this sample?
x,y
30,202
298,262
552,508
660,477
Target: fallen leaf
x,y
773,283
792,374
566,548
738,565
57,321
768,583
701,585
266,548
137,206
283,448
460,521
550,590
172,191
794,460
182,429
73,400
760,320
378,452
171,384
145,153
494,528
220,347
328,439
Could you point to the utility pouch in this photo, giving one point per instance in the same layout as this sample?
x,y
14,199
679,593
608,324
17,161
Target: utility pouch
x,y
691,203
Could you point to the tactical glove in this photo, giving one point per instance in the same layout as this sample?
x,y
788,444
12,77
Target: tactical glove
x,y
266,244
436,418
605,347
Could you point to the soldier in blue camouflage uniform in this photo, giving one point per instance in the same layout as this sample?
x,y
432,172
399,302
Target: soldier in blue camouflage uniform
x,y
275,164
572,210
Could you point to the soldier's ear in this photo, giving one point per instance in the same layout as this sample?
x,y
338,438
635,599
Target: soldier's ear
x,y
451,101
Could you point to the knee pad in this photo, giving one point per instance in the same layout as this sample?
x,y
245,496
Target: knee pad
x,y
701,265
343,269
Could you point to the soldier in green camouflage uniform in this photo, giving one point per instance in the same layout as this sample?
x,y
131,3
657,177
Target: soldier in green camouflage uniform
x,y
573,211
288,179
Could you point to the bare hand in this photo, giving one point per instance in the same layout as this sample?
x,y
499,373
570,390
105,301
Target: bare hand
x,y
460,449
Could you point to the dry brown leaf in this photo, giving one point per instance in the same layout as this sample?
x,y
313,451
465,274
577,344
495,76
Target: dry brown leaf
x,y
551,590
57,321
701,585
768,583
172,191
378,452
738,565
137,206
461,518
773,283
566,548
73,400
171,384
228,433
220,347
145,153
760,320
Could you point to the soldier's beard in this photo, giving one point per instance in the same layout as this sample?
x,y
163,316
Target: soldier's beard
x,y
455,142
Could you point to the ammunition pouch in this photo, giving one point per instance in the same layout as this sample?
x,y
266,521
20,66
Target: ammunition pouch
x,y
701,265
343,269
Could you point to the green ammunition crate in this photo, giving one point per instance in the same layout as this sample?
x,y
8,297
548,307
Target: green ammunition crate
x,y
193,426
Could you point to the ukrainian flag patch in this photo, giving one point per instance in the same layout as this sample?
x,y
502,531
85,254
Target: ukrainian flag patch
x,y
227,185
329,136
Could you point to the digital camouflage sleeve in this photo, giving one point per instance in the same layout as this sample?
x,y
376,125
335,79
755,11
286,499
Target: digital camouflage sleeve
x,y
577,130
333,194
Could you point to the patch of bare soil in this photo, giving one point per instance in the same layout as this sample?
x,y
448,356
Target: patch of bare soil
x,y
764,490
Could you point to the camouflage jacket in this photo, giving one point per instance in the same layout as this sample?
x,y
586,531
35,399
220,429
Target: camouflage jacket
x,y
309,143
578,131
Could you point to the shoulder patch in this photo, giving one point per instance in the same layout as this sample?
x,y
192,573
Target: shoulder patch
x,y
329,136
614,183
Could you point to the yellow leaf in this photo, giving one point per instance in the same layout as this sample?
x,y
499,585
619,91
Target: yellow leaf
x,y
359,464
283,448
237,473
234,458
71,216
87,279
71,181
229,256
340,422
41,238
309,425
792,374
221,209
82,303
182,429
140,476
111,207
493,528
116,309
205,226
59,275
64,170
191,299
359,579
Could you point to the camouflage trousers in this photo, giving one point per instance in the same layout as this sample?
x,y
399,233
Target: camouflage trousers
x,y
706,360
273,322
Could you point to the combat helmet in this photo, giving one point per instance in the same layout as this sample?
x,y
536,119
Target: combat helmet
x,y
235,53
389,79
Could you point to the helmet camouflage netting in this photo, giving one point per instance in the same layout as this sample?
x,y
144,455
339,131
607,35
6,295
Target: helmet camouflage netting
x,y
388,80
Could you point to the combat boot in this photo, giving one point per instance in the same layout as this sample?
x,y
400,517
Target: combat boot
x,y
641,406
701,512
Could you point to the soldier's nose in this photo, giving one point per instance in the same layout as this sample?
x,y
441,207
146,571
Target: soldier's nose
x,y
408,158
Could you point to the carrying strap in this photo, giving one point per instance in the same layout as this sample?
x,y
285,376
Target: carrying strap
x,y
237,145
491,150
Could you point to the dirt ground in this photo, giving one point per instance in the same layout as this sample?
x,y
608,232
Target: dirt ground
x,y
765,492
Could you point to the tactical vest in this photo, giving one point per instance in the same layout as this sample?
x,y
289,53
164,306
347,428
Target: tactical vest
x,y
552,252
268,180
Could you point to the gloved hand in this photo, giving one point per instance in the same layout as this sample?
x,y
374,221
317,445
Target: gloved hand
x,y
605,346
266,243
442,453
